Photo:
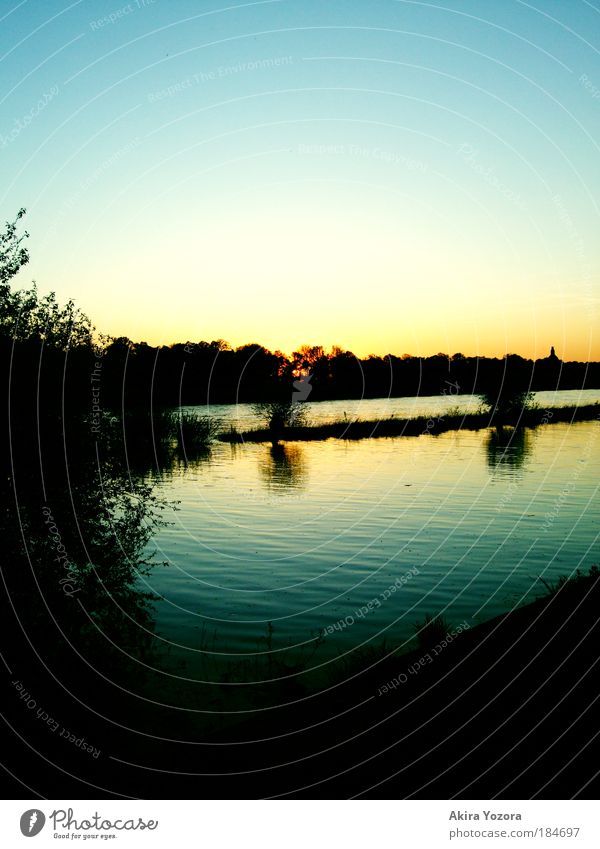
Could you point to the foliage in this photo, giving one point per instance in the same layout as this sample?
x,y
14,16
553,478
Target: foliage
x,y
24,315
508,392
507,401
280,414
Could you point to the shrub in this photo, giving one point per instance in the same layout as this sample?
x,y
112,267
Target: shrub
x,y
193,432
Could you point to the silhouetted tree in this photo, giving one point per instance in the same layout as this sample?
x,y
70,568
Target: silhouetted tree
x,y
507,390
279,415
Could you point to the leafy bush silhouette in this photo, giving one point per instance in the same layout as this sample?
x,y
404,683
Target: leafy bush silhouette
x,y
507,389
279,415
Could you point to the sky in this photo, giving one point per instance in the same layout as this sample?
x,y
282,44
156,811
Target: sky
x,y
390,176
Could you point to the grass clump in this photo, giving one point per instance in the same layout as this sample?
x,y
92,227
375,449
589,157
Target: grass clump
x,y
569,583
431,631
194,432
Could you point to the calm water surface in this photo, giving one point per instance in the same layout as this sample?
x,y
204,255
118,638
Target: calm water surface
x,y
302,536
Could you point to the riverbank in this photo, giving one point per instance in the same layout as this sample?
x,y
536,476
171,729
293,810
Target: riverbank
x,y
417,426
499,710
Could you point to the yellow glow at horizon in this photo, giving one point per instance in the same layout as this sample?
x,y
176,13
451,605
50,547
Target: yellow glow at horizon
x,y
316,273
364,318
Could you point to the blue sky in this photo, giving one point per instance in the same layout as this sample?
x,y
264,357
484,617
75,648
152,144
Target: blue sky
x,y
387,176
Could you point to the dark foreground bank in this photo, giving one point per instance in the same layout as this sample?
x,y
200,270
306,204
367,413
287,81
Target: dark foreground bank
x,y
506,709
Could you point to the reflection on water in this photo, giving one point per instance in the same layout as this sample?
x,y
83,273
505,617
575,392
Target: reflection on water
x,y
160,461
507,448
364,514
86,559
191,457
283,467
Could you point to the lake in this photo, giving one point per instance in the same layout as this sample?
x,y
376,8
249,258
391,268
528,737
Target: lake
x,y
271,546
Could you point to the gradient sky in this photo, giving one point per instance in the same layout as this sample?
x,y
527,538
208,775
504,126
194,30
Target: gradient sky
x,y
388,176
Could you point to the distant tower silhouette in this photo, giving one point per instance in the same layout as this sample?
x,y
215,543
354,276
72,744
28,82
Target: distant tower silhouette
x,y
553,353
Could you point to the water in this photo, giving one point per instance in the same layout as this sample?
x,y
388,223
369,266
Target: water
x,y
305,535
